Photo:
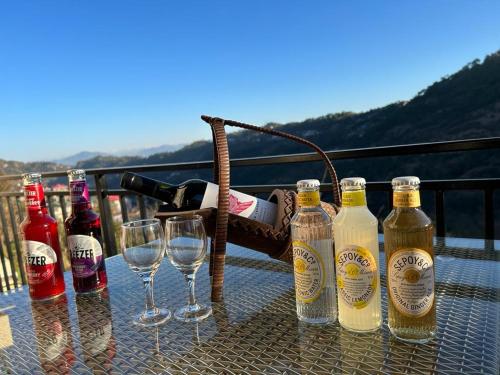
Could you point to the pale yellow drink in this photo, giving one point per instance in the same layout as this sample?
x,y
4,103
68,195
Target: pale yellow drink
x,y
357,260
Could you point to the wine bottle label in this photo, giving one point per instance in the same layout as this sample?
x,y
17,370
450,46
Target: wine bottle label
x,y
41,261
242,204
308,198
79,192
34,196
309,272
353,198
406,198
356,275
86,255
411,281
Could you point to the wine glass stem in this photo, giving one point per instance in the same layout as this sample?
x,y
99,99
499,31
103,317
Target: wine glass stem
x,y
190,278
150,303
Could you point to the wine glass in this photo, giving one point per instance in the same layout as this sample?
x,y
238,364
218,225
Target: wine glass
x,y
143,247
186,249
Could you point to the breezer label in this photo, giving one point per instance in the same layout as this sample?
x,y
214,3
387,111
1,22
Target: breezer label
x,y
411,281
309,272
40,259
356,276
86,255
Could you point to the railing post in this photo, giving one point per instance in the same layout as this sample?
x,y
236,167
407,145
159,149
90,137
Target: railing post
x,y
489,219
142,207
13,222
106,217
440,226
8,245
123,206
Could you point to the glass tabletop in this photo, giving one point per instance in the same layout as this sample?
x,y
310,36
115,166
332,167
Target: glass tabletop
x,y
254,330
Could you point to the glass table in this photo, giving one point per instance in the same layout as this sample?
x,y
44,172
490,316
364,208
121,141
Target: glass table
x,y
255,330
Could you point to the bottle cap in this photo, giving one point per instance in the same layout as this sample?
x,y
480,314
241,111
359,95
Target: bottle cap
x,y
31,178
353,181
405,181
308,184
76,174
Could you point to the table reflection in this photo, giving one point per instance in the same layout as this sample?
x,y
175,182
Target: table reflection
x,y
361,352
96,331
53,335
404,357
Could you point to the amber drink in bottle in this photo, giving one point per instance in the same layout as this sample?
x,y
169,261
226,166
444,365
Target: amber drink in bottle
x,y
409,255
313,259
83,231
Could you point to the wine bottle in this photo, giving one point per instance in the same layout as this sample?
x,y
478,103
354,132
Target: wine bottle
x,y
198,194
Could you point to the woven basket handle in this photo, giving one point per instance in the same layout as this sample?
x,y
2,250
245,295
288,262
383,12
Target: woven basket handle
x,y
221,176
328,163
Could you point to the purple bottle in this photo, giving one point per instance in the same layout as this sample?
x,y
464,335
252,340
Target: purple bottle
x,y
83,231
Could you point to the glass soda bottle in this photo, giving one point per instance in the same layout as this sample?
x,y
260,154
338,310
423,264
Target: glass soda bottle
x,y
409,258
355,231
40,241
83,231
313,260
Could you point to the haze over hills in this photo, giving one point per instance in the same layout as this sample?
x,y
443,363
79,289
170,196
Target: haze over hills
x,y
463,105
142,152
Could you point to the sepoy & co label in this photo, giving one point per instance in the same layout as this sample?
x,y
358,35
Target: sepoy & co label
x,y
41,261
411,281
356,275
86,255
309,272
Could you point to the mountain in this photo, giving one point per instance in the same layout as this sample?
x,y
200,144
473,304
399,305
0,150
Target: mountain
x,y
142,152
83,155
460,106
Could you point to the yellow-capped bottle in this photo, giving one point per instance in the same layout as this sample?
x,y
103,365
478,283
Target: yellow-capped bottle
x,y
313,259
409,255
357,260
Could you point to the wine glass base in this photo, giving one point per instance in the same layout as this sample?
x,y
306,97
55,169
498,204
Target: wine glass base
x,y
193,313
151,320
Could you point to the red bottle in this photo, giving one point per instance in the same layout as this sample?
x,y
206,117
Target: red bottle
x,y
83,231
41,250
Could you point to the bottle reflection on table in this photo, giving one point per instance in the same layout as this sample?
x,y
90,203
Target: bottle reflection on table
x,y
96,330
53,335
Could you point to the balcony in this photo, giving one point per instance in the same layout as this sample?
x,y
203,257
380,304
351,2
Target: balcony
x,y
115,205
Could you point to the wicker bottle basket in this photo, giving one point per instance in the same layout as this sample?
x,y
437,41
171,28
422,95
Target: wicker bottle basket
x,y
224,227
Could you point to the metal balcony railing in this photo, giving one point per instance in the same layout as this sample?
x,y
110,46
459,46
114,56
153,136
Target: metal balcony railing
x,y
12,274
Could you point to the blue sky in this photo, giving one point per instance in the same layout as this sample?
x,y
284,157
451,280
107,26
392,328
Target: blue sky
x,y
112,75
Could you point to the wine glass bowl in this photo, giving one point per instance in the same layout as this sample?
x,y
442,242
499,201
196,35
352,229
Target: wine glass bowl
x,y
186,247
143,248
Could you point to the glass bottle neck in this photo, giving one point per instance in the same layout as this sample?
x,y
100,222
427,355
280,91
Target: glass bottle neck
x,y
353,197
35,199
80,197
